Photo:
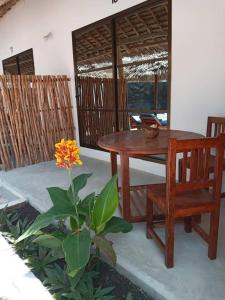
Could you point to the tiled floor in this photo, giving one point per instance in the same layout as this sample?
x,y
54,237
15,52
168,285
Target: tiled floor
x,y
194,275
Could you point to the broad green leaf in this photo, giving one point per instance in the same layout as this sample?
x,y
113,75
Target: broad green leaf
x,y
45,219
57,252
116,225
85,206
104,293
105,248
79,183
76,247
74,281
105,204
129,296
48,241
74,224
59,197
55,276
74,295
99,229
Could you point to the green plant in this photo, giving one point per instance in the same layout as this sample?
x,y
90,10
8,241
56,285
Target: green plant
x,y
90,219
41,259
7,218
79,287
15,228
129,296
44,259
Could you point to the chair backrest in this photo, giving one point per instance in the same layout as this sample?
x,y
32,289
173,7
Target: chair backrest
x,y
195,156
215,126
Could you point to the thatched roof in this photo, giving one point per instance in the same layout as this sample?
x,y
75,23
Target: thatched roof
x,y
141,39
143,32
6,5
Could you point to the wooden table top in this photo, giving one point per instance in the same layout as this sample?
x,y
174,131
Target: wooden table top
x,y
135,142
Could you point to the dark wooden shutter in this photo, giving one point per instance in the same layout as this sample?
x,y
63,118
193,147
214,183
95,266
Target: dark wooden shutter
x,y
26,62
22,63
10,66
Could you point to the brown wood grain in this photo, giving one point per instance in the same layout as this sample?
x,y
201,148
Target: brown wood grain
x,y
126,144
198,192
215,126
36,112
135,142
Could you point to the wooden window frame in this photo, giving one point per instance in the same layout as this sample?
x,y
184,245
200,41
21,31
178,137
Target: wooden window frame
x,y
115,64
17,57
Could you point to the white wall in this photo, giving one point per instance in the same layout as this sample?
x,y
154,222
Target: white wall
x,y
198,63
198,50
25,25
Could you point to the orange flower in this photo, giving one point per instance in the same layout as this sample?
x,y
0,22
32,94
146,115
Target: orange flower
x,y
67,154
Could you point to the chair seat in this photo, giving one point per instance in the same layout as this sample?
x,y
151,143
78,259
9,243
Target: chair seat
x,y
192,199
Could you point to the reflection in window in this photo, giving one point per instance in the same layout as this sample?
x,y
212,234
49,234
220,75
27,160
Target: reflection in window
x,y
19,64
140,95
162,95
121,68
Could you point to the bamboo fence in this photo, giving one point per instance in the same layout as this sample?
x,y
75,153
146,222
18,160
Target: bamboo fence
x,y
36,112
96,109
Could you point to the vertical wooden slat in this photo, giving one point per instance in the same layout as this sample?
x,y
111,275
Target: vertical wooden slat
x,y
200,165
95,109
193,165
184,167
35,113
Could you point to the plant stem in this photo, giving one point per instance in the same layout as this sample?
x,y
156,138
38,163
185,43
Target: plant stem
x,y
73,192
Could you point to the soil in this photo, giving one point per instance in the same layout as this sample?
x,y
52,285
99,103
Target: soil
x,y
108,277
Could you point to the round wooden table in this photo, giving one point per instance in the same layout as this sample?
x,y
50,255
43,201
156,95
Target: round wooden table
x,y
134,142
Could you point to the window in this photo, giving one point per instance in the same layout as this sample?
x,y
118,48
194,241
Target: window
x,y
122,70
140,95
22,63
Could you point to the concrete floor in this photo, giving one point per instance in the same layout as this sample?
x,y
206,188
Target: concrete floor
x,y
8,198
193,277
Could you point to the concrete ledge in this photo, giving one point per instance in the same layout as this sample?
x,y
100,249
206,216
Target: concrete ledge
x,y
8,197
17,281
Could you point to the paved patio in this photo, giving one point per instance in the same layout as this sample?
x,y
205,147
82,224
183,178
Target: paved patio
x,y
193,277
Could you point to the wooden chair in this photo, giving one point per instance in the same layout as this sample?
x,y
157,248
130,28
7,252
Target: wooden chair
x,y
194,195
215,126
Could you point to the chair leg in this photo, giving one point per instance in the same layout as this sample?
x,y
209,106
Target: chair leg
x,y
149,214
169,250
180,171
213,235
187,224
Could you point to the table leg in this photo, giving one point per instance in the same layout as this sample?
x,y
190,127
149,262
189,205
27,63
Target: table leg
x,y
113,157
125,185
